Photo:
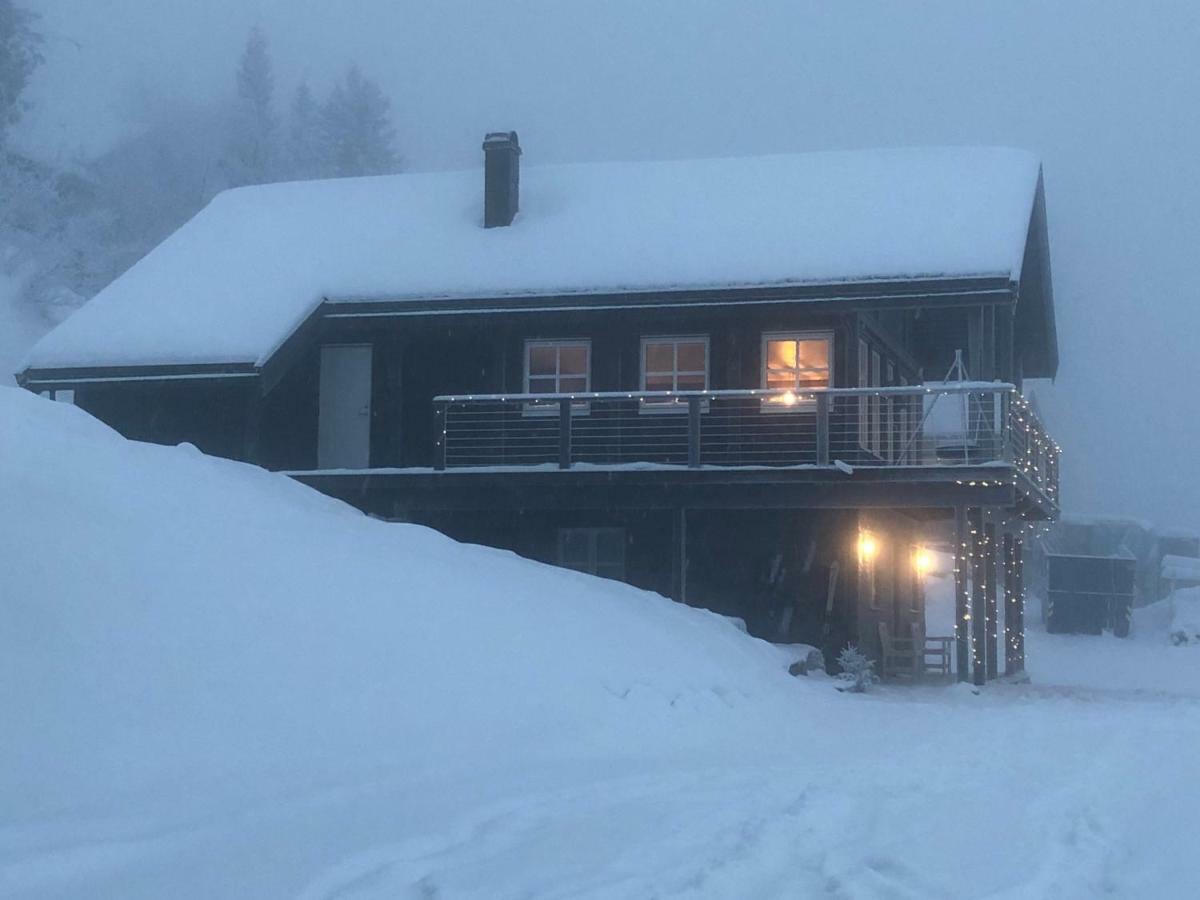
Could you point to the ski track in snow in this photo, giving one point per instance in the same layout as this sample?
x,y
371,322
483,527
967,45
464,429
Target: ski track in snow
x,y
747,836
849,830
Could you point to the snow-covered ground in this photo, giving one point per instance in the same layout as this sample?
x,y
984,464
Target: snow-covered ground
x,y
215,683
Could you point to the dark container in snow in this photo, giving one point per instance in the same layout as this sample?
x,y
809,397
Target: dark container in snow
x,y
1090,594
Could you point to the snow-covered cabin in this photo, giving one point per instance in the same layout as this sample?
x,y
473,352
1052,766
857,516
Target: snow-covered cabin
x,y
710,378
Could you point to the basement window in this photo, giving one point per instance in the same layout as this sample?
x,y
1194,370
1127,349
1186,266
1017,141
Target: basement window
x,y
796,363
673,364
594,551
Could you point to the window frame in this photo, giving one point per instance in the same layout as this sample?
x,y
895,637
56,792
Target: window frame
x,y
542,408
864,401
876,403
795,336
890,418
592,535
672,405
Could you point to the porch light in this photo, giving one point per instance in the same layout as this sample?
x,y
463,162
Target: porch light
x,y
868,546
923,561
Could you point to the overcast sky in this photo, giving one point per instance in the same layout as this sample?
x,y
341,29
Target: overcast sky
x,y
1105,92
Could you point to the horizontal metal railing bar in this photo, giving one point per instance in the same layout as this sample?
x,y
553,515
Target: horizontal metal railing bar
x,y
958,387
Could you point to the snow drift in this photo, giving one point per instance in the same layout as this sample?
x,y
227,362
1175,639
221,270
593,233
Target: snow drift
x,y
174,616
217,683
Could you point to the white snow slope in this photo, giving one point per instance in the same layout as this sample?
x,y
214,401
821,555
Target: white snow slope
x,y
216,683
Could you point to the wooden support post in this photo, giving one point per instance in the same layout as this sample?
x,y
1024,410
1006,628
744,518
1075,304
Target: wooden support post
x,y
564,434
822,428
990,611
1019,573
694,432
439,436
679,555
252,424
683,555
1010,604
978,597
962,615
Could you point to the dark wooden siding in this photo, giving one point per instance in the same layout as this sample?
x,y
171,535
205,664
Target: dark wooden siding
x,y
418,357
209,414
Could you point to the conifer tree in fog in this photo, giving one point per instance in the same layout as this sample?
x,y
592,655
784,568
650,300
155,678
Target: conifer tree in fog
x,y
20,55
306,156
253,155
356,128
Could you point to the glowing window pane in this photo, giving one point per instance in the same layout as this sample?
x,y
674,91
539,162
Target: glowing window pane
x,y
781,354
814,354
660,357
543,360
572,360
691,382
692,356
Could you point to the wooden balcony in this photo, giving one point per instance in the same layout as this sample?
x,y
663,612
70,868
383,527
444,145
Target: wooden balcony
x,y
979,431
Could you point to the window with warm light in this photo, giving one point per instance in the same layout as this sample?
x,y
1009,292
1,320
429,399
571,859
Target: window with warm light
x,y
674,364
796,363
557,367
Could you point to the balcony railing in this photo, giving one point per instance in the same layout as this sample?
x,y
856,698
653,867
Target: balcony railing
x,y
960,424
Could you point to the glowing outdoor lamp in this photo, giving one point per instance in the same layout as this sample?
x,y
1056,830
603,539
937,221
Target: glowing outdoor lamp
x,y
923,561
868,546
788,399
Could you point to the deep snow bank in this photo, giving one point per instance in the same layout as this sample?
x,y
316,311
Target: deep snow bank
x,y
1183,607
172,617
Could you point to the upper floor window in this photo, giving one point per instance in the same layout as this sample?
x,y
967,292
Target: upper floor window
x,y
796,363
558,367
674,364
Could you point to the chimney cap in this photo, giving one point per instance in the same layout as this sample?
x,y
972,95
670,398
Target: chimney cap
x,y
496,140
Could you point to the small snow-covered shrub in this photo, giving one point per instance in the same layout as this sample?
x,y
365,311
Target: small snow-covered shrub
x,y
858,672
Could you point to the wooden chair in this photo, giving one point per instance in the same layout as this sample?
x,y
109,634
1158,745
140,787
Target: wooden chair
x,y
915,656
936,653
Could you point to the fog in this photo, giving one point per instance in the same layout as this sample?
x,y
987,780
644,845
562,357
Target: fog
x,y
1104,92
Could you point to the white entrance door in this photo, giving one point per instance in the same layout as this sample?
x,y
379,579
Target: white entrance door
x,y
344,414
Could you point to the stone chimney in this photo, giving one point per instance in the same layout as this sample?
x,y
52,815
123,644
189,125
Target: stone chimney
x,y
501,178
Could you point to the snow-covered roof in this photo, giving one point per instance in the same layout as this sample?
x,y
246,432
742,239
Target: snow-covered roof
x,y
236,280
1180,568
